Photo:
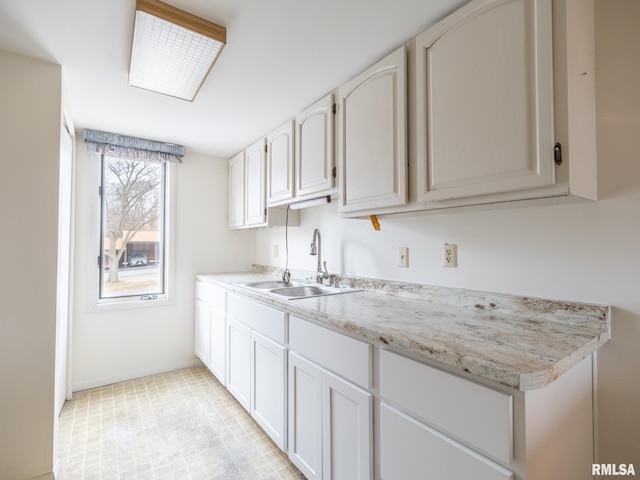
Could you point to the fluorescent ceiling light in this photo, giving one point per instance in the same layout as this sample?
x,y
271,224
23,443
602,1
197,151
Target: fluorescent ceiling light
x,y
173,51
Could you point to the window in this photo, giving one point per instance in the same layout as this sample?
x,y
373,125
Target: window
x,y
133,224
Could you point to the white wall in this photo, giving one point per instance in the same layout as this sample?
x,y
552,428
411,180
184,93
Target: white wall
x,y
30,95
586,252
118,345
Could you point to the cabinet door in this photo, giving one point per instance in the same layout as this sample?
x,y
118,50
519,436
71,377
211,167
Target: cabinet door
x,y
268,370
476,415
372,137
347,433
485,100
239,361
202,331
255,208
218,350
280,163
305,416
314,145
236,190
410,449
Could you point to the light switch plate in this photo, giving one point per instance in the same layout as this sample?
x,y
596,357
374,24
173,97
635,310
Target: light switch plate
x,y
403,257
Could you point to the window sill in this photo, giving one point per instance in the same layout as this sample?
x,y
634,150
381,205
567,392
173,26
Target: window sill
x,y
132,303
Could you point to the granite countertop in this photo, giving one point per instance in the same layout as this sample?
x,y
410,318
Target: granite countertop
x,y
520,342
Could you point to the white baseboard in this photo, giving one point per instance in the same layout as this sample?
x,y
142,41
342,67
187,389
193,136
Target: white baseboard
x,y
123,377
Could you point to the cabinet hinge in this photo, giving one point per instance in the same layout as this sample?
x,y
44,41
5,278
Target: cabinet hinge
x,y
265,148
557,153
100,191
99,260
334,172
334,108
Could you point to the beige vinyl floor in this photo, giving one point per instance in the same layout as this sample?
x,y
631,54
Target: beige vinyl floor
x,y
178,425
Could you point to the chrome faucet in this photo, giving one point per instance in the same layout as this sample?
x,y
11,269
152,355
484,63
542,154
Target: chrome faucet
x,y
316,249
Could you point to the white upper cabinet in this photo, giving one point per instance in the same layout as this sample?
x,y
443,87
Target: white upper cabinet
x,y
280,164
236,191
495,103
314,166
484,101
248,186
372,139
255,208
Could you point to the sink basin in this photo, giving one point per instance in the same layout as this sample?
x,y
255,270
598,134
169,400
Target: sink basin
x,y
269,284
305,291
295,290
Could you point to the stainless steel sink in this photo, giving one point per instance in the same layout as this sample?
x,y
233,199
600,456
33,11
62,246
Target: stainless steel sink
x,y
294,290
306,291
269,284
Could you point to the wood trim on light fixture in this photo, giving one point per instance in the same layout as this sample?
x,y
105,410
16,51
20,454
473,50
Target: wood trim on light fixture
x,y
183,19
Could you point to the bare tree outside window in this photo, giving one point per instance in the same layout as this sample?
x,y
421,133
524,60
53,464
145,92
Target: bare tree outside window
x,y
132,252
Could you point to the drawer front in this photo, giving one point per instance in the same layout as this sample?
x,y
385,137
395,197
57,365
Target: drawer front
x,y
211,295
345,356
474,414
264,320
410,449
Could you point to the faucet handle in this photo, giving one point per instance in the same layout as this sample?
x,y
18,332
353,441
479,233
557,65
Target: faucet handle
x,y
320,275
286,276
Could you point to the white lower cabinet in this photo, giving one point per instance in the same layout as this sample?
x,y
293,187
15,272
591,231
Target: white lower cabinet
x,y
450,428
305,416
347,434
257,368
477,415
330,424
239,361
330,416
202,331
218,346
411,449
210,336
316,393
268,367
439,425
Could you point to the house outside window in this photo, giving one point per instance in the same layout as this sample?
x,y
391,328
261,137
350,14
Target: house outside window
x,y
133,224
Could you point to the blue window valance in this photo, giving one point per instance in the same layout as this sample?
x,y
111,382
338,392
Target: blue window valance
x,y
131,147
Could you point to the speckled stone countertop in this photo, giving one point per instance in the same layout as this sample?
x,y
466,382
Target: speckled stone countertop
x,y
521,342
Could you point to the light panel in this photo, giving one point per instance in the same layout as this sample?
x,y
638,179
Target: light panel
x,y
173,51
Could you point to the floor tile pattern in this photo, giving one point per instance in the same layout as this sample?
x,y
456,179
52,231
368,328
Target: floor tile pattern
x,y
178,425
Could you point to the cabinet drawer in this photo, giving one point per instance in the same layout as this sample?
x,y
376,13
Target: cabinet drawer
x,y
410,449
474,414
345,356
265,320
211,295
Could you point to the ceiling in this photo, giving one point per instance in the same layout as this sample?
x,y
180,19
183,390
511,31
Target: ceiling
x,y
281,56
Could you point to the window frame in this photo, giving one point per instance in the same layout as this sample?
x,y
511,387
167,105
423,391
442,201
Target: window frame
x,y
133,301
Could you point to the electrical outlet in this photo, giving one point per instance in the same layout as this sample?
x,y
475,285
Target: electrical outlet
x,y
449,255
403,257
276,251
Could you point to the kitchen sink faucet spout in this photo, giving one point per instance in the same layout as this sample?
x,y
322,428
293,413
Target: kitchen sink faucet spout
x,y
316,249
